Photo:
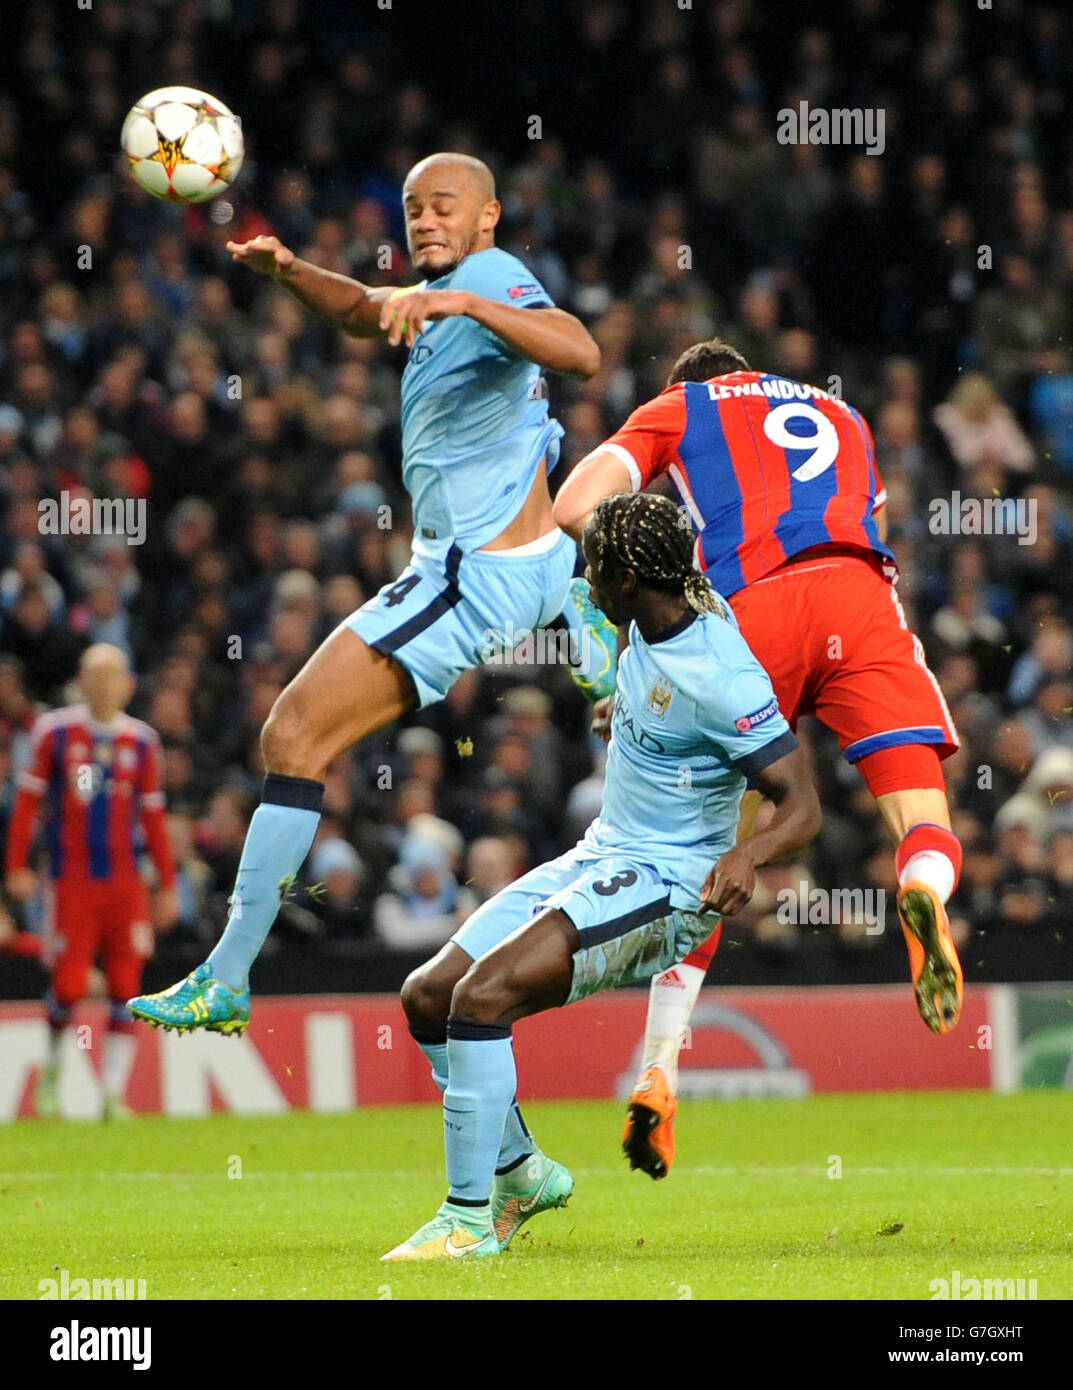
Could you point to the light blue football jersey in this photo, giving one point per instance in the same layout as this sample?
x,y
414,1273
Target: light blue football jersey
x,y
475,422
695,716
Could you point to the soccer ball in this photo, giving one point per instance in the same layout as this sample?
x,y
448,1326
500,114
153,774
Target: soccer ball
x,y
182,144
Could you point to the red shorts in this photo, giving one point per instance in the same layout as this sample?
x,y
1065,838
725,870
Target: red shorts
x,y
830,632
104,917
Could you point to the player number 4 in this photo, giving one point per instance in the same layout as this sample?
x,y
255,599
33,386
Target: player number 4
x,y
398,591
822,441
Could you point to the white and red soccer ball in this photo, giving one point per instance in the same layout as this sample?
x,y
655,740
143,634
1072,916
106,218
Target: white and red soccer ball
x,y
182,145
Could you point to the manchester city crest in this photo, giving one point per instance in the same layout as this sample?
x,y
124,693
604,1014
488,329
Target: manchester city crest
x,y
659,699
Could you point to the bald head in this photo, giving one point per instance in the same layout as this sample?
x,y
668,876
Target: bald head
x,y
105,680
475,171
103,656
451,211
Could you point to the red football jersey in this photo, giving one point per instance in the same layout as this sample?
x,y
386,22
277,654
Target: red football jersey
x,y
102,791
767,467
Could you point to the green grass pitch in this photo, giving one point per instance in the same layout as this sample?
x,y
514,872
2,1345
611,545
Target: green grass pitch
x,y
978,1183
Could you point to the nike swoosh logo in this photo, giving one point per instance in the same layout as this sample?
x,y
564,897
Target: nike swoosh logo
x,y
527,1204
451,1248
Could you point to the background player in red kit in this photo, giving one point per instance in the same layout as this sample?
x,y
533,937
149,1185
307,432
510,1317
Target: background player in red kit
x,y
780,482
98,772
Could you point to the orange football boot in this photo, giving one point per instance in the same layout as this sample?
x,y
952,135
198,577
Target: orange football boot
x,y
933,957
648,1139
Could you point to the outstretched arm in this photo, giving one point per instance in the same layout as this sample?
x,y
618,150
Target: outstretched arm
x,y
600,474
788,783
340,301
551,338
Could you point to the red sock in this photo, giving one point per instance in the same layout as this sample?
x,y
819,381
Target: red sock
x,y
704,954
931,854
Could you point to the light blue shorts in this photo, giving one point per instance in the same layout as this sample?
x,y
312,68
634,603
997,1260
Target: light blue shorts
x,y
443,617
620,906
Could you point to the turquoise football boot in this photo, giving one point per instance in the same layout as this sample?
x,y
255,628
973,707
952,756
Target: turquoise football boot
x,y
595,643
453,1233
534,1186
199,1001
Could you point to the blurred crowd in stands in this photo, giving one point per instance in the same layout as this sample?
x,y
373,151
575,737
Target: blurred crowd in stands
x,y
642,181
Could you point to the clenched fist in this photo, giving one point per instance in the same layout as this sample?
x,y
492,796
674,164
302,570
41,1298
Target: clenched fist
x,y
730,884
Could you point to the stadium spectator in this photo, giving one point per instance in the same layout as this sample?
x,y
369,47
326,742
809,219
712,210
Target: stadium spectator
x,y
219,836
1050,655
1020,327
48,650
337,873
427,906
491,865
17,711
979,428
29,568
192,874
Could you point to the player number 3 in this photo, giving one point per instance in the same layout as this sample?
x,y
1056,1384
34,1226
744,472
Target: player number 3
x,y
822,442
606,886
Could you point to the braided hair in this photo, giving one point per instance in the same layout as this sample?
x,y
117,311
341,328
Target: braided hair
x,y
647,533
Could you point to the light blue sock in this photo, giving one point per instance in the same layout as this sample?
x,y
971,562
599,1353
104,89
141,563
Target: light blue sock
x,y
517,1143
277,842
480,1092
